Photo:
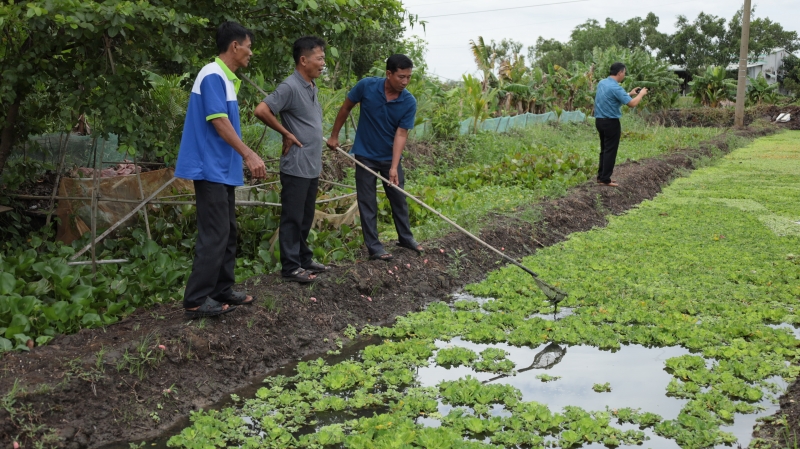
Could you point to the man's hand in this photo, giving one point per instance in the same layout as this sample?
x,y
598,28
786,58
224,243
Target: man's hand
x,y
288,140
638,91
333,142
393,178
256,165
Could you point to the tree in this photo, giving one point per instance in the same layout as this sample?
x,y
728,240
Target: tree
x,y
699,44
789,75
91,56
547,52
765,36
485,58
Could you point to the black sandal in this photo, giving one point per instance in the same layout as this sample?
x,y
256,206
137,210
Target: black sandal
x,y
237,299
300,275
210,307
413,246
382,256
316,267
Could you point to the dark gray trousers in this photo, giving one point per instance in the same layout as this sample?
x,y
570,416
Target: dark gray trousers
x,y
298,196
368,204
610,131
215,249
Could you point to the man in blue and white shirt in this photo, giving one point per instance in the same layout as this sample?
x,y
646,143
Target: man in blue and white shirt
x,y
609,98
211,155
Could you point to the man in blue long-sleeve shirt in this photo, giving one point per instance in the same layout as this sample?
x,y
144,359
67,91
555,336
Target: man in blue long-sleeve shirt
x,y
609,99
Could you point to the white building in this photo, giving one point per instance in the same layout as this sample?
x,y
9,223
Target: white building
x,y
768,65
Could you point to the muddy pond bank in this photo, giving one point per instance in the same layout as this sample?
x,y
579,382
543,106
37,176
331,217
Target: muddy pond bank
x,y
117,383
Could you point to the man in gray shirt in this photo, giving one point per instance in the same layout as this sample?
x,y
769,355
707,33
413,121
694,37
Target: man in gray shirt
x,y
296,101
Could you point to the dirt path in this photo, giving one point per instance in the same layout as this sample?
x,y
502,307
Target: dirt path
x,y
136,378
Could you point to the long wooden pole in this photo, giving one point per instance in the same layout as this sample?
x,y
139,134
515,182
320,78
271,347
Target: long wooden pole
x,y
554,294
125,218
52,205
740,86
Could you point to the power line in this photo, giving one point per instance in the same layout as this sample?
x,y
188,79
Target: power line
x,y
437,3
503,9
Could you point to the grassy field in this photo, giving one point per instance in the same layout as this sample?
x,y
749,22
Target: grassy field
x,y
469,205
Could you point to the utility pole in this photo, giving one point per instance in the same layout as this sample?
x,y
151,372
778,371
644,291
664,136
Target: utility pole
x,y
740,86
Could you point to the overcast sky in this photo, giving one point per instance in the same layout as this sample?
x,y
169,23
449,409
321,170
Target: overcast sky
x,y
448,36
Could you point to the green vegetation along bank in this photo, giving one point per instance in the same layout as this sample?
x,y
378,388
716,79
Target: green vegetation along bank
x,y
465,178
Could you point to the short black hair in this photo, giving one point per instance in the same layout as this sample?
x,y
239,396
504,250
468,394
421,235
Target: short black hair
x,y
398,62
229,32
306,45
616,68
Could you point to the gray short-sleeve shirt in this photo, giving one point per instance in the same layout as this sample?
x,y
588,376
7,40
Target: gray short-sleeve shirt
x,y
296,101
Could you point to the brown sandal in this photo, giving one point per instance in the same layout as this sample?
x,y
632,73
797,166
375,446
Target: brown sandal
x,y
300,275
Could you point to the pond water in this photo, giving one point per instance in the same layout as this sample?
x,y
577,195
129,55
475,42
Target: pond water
x,y
636,375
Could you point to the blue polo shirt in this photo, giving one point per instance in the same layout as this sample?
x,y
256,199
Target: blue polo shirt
x,y
609,98
204,155
379,119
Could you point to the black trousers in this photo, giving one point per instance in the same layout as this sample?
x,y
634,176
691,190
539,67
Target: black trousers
x,y
610,131
368,204
298,196
215,249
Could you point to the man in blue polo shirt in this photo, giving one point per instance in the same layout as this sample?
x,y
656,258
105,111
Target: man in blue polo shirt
x,y
609,98
387,113
211,155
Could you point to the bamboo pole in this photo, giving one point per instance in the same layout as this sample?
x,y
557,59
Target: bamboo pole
x,y
98,262
125,218
141,194
52,205
95,195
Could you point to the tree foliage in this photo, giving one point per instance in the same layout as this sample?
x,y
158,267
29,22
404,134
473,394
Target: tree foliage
x,y
696,44
86,56
789,75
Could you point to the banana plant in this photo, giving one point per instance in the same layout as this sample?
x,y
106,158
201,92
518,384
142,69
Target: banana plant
x,y
486,58
712,87
760,91
477,101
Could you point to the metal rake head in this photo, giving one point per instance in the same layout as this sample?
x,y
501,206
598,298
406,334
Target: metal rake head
x,y
553,294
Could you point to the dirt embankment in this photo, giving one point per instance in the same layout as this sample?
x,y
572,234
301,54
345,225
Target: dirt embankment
x,y
723,117
118,383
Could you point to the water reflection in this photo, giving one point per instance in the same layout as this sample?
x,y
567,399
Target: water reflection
x,y
636,374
